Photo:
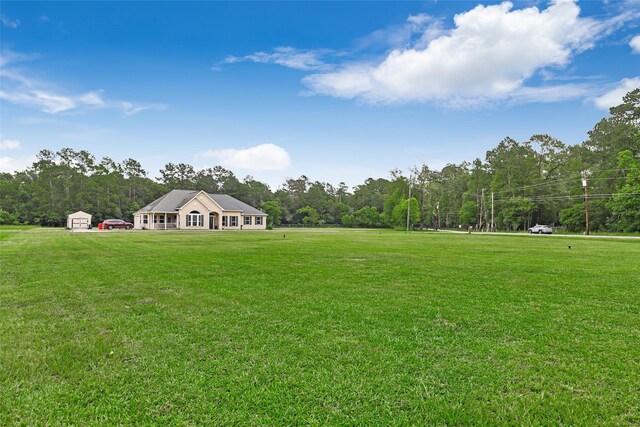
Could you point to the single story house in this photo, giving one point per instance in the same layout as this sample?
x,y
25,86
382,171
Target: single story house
x,y
199,210
79,220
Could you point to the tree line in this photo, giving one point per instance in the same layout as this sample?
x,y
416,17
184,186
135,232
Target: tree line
x,y
518,183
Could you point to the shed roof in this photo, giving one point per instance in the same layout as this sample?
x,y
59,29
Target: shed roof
x,y
80,213
175,199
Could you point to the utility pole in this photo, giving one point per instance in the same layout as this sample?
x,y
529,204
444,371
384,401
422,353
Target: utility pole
x,y
438,208
409,204
586,201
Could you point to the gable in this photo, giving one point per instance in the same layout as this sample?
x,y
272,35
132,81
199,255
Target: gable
x,y
201,199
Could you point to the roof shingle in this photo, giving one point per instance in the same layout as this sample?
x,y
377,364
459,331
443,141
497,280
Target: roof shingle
x,y
175,199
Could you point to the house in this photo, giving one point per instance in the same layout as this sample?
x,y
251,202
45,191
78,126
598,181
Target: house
x,y
79,220
199,210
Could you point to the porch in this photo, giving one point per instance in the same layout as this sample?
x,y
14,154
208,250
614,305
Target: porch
x,y
165,221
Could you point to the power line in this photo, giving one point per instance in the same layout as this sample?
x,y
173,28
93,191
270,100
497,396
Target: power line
x,y
570,196
559,180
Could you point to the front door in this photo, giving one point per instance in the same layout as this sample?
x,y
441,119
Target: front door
x,y
212,222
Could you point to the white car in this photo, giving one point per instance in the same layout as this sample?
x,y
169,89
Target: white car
x,y
540,229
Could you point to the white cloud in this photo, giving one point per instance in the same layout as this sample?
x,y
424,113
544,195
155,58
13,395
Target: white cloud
x,y
92,98
554,93
9,144
13,164
47,102
488,56
263,157
614,96
20,89
130,109
402,35
9,23
286,56
8,56
51,102
635,44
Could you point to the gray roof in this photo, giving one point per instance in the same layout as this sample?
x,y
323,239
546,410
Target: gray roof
x,y
229,203
175,199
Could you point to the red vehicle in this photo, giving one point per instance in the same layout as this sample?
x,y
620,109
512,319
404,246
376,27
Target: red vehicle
x,y
110,224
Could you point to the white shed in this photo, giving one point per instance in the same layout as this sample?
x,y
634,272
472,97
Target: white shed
x,y
79,220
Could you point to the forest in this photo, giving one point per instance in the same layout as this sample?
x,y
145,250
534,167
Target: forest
x,y
517,184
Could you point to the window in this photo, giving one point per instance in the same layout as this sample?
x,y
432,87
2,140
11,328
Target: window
x,y
224,221
234,221
258,220
194,219
247,220
145,219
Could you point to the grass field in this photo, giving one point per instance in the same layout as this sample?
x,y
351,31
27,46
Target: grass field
x,y
331,327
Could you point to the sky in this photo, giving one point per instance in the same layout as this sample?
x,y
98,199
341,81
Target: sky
x,y
337,91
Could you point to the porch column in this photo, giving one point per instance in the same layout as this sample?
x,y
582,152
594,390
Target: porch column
x,y
165,220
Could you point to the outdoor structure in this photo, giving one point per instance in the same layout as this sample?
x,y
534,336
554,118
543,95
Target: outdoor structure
x,y
198,210
79,220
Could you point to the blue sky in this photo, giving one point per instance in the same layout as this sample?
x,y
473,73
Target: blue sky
x,y
338,91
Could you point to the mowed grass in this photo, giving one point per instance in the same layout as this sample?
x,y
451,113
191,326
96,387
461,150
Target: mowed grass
x,y
318,327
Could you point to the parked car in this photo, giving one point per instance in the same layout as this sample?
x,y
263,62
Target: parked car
x,y
540,229
110,224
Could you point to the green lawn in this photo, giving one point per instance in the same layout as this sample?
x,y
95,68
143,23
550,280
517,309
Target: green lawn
x,y
321,327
